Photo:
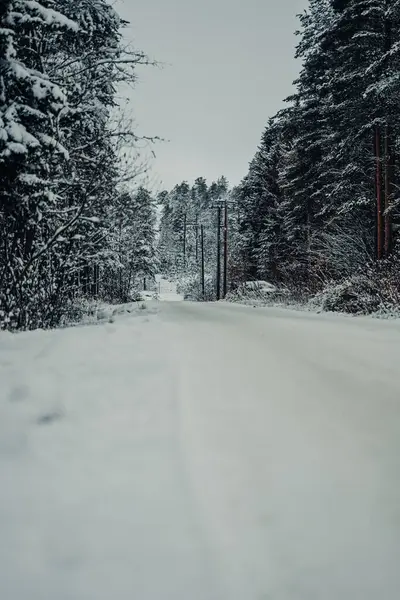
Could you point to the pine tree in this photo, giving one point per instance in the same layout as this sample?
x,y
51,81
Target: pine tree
x,y
327,180
30,147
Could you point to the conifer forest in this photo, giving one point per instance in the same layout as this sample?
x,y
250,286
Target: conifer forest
x,y
317,214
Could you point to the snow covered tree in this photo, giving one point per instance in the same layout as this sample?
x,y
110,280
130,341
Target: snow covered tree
x,y
257,201
30,147
360,88
60,65
326,168
131,245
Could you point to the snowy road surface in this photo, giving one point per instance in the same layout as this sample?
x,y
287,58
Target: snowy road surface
x,y
207,452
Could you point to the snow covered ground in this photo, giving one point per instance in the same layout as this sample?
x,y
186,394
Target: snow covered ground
x,y
201,452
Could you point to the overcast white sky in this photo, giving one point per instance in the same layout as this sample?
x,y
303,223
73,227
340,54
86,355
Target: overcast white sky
x,y
231,65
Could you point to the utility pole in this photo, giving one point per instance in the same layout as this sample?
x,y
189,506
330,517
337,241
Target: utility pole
x,y
219,253
219,205
197,240
379,203
184,241
203,288
225,248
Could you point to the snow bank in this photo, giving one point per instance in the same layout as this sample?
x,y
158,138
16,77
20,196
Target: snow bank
x,y
99,312
354,296
359,295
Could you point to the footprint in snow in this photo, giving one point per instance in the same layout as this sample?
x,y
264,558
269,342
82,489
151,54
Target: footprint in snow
x,y
18,393
49,417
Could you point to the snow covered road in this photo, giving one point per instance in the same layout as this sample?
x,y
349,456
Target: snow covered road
x,y
207,452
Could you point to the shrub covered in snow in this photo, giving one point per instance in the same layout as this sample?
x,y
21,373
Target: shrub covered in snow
x,y
355,295
375,291
257,292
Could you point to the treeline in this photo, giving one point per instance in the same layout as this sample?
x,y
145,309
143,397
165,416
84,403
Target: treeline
x,y
188,234
320,202
70,224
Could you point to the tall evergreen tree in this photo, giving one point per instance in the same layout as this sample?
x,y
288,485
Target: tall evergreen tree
x,y
330,164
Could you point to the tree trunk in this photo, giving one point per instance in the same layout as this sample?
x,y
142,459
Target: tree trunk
x,y
389,176
378,183
184,240
388,144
